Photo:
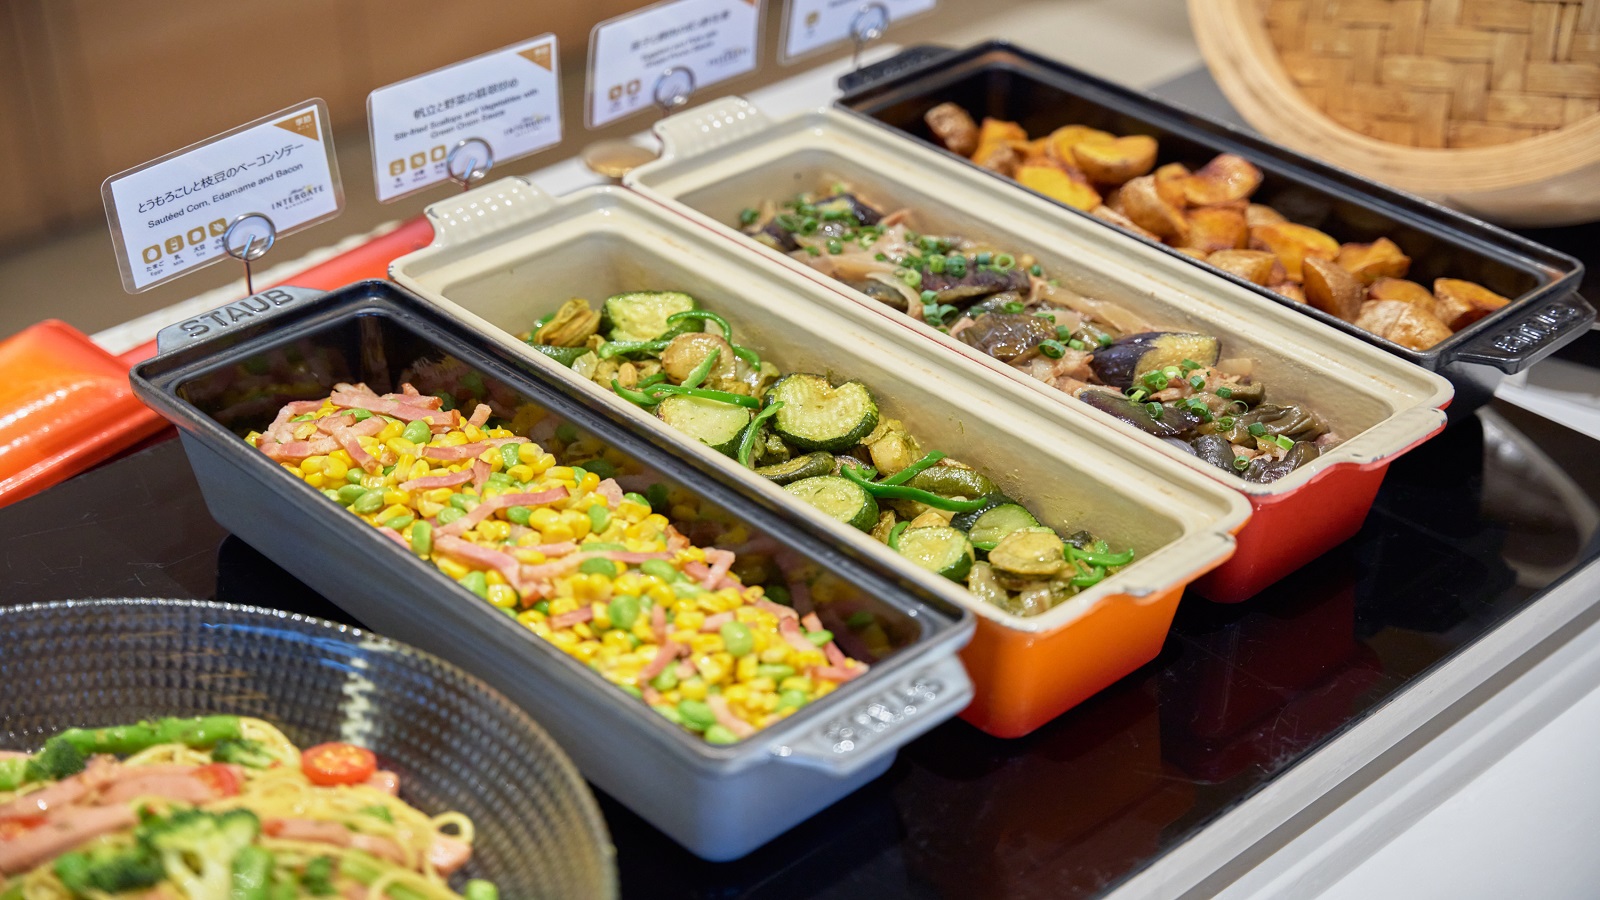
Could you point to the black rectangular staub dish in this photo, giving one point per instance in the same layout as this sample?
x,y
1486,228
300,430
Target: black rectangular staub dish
x,y
998,80
224,374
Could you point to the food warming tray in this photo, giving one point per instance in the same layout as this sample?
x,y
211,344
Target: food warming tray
x,y
1007,82
726,156
507,255
226,372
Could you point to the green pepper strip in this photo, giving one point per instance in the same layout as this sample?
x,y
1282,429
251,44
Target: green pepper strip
x,y
894,535
1088,579
1108,560
705,316
698,374
657,392
657,378
749,356
901,492
911,471
621,348
632,396
748,442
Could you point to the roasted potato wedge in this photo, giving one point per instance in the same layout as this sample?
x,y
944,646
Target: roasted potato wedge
x,y
1106,214
1293,243
1460,303
1404,323
1332,289
1035,152
1065,138
1403,290
997,145
1002,158
1382,258
1257,214
1066,185
1213,228
1194,252
1224,179
1169,184
1289,289
1140,201
1116,161
954,128
1254,266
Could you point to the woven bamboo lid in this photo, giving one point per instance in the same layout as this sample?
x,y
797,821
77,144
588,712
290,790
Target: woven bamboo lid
x,y
1489,105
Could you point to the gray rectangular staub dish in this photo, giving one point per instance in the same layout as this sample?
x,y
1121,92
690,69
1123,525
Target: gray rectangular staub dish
x,y
999,80
223,374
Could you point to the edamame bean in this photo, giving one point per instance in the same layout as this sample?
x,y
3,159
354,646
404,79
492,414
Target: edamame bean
x,y
696,715
422,539
363,414
508,455
354,476
331,494
449,514
631,690
478,889
820,638
463,502
417,432
624,610
795,699
719,734
667,680
399,523
368,503
661,569
599,518
775,672
669,712
350,493
598,566
477,583
737,638
519,515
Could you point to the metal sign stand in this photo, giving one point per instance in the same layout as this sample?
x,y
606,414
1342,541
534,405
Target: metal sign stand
x,y
868,25
254,247
472,171
614,159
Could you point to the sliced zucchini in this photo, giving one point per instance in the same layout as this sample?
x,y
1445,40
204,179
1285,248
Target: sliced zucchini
x,y
938,549
994,524
642,315
952,481
713,423
818,416
563,355
964,520
838,497
809,466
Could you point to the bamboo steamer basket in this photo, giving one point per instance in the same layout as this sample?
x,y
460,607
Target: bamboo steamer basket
x,y
1489,106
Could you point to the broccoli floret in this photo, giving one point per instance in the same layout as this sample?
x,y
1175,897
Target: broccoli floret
x,y
110,869
317,879
197,848
244,752
59,759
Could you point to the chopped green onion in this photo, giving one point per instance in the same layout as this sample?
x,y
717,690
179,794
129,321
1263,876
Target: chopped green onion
x,y
1075,344
748,216
1225,423
1063,333
1052,349
1005,262
1154,409
910,277
936,264
1241,463
930,296
1197,382
1011,308
834,247
1036,270
813,251
1224,392
1155,380
1137,395
1283,441
1190,365
1105,340
1257,429
983,258
1047,316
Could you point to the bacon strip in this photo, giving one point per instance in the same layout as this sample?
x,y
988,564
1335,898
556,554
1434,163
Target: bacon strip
x,y
721,561
480,415
658,622
610,490
810,622
714,623
835,656
406,412
726,718
840,674
468,451
665,654
295,451
480,475
430,482
362,458
790,631
777,609
482,557
66,830
568,619
331,424
488,507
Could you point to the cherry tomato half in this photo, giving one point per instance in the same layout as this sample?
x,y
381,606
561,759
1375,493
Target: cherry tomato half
x,y
337,763
221,778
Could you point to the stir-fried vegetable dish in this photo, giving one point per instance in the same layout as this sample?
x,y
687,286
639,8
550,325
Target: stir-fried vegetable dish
x,y
827,443
217,808
568,553
1174,385
1209,214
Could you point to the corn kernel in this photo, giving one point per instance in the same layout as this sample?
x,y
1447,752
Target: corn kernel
x,y
775,654
454,569
396,498
617,640
530,557
313,464
693,689
736,693
502,595
334,470
493,577
562,605
556,533
428,508
343,456
690,620
705,643
577,522
494,530
760,684
316,480
583,630
520,473
586,650
305,430
543,518
528,453
531,617
391,430
745,669
563,473
392,510
473,432
632,511
590,482
711,668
